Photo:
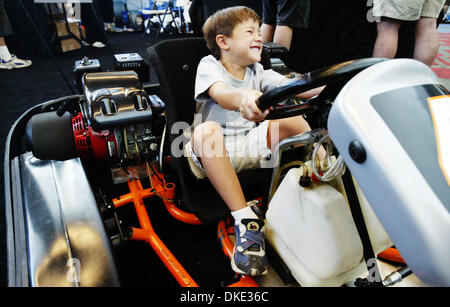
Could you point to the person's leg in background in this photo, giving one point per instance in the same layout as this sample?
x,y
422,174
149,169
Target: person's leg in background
x,y
107,11
4,52
268,20
283,36
390,16
7,60
92,20
289,16
427,41
387,38
106,8
267,32
427,38
446,5
278,18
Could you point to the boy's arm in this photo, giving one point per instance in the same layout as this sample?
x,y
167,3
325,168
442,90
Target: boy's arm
x,y
311,93
271,79
243,100
308,94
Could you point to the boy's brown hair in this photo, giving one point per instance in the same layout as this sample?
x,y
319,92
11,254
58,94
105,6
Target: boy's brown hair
x,y
223,22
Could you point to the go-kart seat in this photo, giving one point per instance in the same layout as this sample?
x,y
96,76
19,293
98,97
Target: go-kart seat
x,y
175,62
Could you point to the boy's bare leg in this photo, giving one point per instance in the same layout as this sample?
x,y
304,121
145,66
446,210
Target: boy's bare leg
x,y
209,141
283,36
386,43
267,32
287,127
2,42
427,40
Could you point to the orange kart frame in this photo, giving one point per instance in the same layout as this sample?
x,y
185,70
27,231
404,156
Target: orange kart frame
x,y
166,191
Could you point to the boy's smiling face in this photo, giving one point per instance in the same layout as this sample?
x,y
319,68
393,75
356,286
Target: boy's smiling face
x,y
245,44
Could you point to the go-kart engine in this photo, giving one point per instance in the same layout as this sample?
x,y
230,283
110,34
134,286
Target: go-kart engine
x,y
122,144
112,123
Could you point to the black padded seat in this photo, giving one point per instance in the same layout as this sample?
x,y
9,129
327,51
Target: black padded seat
x,y
175,62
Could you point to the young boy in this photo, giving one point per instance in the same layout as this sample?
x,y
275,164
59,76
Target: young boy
x,y
228,83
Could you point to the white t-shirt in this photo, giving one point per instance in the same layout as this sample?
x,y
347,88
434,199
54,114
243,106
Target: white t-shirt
x,y
209,71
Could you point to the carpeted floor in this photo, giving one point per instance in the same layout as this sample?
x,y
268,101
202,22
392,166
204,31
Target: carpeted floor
x,y
24,88
20,89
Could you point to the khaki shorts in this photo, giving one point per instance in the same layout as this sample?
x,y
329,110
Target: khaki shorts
x,y
408,10
245,151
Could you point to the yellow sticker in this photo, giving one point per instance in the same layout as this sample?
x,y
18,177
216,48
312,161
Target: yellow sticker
x,y
440,113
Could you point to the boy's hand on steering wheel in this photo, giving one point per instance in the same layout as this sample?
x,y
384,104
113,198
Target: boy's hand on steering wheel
x,y
248,108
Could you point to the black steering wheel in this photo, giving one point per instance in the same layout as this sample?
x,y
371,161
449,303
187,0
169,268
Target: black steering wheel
x,y
324,76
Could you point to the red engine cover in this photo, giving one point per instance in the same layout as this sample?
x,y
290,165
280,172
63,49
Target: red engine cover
x,y
91,144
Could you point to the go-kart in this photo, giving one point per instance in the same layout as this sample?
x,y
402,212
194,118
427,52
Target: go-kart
x,y
74,163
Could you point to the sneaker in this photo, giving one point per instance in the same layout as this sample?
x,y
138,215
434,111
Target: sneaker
x,y
6,64
98,45
17,60
249,256
14,62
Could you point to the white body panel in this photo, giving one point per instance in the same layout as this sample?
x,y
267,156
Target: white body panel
x,y
415,218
